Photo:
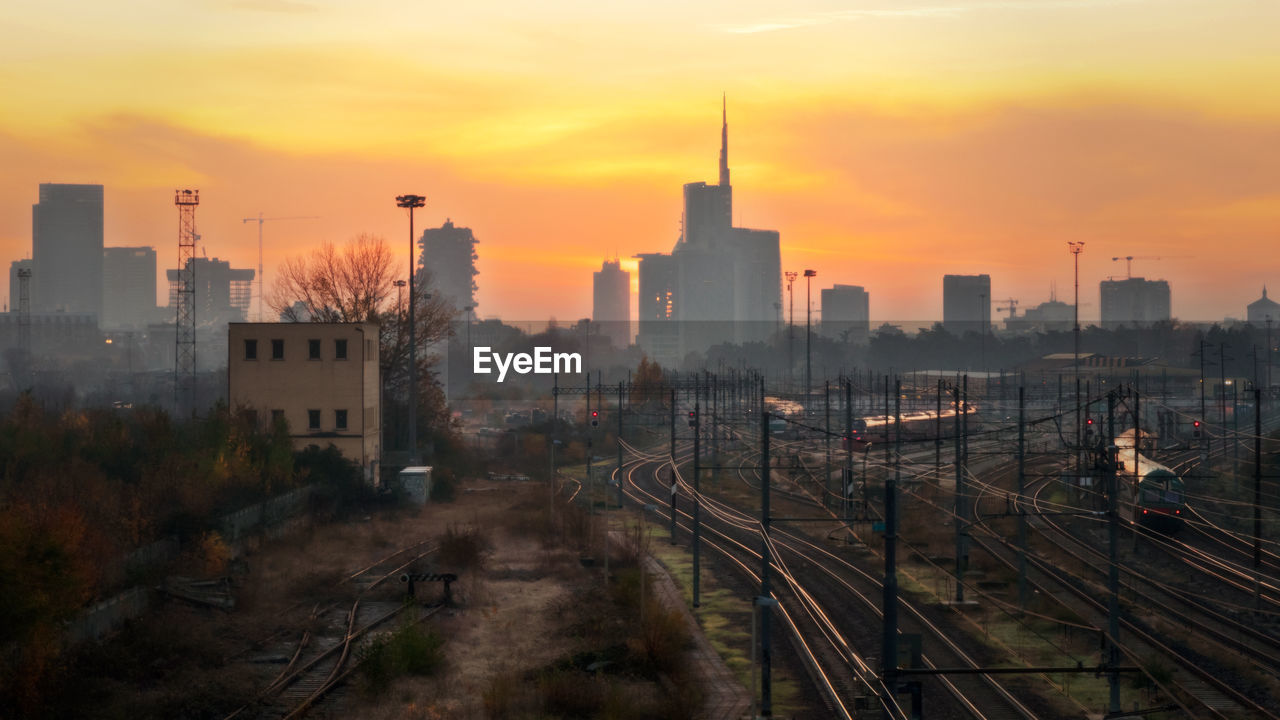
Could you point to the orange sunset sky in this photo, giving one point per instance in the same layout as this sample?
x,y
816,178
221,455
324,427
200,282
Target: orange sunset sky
x,y
889,141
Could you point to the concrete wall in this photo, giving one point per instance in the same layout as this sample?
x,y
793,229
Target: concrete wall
x,y
272,517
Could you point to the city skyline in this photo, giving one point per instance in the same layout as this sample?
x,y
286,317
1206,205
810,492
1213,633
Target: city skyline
x,y
973,138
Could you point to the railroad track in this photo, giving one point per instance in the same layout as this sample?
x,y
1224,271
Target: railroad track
x,y
807,581
326,651
1213,696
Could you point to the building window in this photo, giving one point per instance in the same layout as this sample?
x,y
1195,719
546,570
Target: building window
x,y
340,419
313,349
250,349
277,349
277,417
340,349
313,419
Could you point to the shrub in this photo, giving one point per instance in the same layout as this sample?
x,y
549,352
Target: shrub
x,y
444,485
213,555
463,548
410,650
662,639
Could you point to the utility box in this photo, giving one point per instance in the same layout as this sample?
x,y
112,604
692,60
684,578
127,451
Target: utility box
x,y
416,484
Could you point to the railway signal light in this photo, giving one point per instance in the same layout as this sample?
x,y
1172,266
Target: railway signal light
x,y
595,418
1196,428
693,418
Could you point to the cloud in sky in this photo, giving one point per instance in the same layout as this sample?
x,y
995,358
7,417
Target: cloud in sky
x,y
884,140
906,11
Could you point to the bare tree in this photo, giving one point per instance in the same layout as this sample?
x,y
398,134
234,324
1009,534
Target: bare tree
x,y
351,284
356,283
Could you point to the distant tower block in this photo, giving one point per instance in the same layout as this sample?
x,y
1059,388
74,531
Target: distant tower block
x,y
184,368
24,311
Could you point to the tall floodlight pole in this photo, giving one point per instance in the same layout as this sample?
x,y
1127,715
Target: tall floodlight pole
x,y
982,338
791,276
1268,353
411,202
1077,248
469,308
809,275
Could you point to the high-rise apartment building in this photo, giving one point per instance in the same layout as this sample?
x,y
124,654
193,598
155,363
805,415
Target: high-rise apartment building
x,y
129,287
611,303
1134,302
66,249
846,313
448,255
966,303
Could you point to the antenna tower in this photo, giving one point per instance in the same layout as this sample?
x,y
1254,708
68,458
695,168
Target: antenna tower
x,y
184,368
24,311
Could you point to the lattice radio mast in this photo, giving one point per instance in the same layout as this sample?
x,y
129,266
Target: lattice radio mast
x,y
24,311
184,368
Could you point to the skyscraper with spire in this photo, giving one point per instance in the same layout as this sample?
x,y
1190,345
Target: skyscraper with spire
x,y
723,283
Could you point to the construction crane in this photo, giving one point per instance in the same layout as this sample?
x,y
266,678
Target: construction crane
x,y
1128,261
260,220
1010,306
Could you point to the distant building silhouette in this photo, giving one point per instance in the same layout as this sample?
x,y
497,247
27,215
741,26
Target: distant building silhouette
x,y
222,296
1134,302
129,288
66,249
611,303
449,254
719,284
1258,311
222,292
1048,316
846,313
966,303
659,334
70,336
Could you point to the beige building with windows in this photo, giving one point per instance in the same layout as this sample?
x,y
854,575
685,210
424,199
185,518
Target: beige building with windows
x,y
321,378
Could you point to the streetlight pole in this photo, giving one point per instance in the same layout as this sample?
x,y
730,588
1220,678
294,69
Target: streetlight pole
x,y
791,276
411,202
809,275
1076,248
982,338
469,308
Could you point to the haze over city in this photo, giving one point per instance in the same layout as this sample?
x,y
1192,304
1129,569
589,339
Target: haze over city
x,y
887,143
650,361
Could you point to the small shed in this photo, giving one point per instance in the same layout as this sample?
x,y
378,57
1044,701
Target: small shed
x,y
416,484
